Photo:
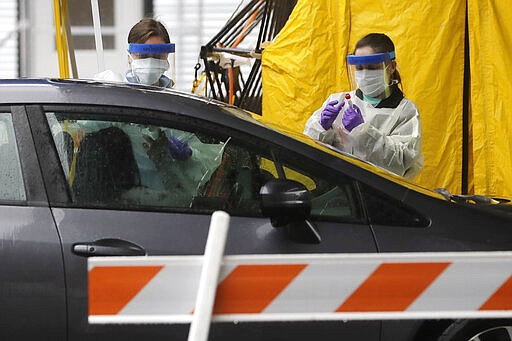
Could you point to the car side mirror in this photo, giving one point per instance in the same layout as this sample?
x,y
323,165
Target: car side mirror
x,y
285,201
288,203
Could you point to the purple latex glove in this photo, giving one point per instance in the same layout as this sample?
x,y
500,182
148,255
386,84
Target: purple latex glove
x,y
352,117
179,150
330,113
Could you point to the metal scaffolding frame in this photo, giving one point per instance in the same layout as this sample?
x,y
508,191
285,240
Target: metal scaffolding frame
x,y
227,83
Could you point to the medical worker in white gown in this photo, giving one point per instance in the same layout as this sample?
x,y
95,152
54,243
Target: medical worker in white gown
x,y
373,122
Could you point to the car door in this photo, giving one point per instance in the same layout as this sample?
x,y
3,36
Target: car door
x,y
125,183
32,291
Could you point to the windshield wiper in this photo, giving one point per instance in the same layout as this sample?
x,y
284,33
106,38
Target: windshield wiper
x,y
468,199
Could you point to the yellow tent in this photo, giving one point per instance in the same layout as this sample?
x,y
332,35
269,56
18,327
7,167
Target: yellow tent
x,y
306,63
490,41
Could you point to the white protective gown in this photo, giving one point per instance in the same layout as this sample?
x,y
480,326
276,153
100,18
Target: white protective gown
x,y
390,137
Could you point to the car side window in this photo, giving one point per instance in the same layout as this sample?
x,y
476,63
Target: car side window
x,y
128,165
112,163
331,199
11,178
383,210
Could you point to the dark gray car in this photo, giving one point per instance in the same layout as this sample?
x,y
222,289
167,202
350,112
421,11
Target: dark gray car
x,y
90,169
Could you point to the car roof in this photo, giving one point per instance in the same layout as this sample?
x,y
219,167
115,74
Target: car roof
x,y
71,91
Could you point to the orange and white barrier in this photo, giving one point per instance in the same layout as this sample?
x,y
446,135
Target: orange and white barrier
x,y
304,287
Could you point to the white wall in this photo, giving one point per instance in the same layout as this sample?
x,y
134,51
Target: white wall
x,y
42,55
8,39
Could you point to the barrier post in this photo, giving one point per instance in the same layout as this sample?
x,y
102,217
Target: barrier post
x,y
212,259
97,35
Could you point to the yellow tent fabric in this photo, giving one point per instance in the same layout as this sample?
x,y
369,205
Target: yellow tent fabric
x,y
490,40
306,63
303,64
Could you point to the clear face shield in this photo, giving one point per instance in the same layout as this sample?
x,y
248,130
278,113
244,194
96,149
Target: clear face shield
x,y
372,73
149,62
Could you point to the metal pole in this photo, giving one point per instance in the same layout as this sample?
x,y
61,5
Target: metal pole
x,y
97,35
69,40
63,72
212,259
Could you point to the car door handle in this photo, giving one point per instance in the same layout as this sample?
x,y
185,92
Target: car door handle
x,y
108,247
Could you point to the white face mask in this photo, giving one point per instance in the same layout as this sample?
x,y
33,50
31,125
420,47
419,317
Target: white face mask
x,y
149,70
371,82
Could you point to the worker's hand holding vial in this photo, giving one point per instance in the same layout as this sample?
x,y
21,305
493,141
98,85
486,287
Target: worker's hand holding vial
x,y
352,117
329,114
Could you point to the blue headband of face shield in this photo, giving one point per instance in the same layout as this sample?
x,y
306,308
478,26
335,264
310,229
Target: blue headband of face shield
x,y
151,48
376,58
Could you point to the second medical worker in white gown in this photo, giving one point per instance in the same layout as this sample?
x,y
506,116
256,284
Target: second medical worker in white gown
x,y
377,123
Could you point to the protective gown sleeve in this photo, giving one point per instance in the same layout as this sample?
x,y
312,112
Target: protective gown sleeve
x,y
108,75
396,148
314,129
189,175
